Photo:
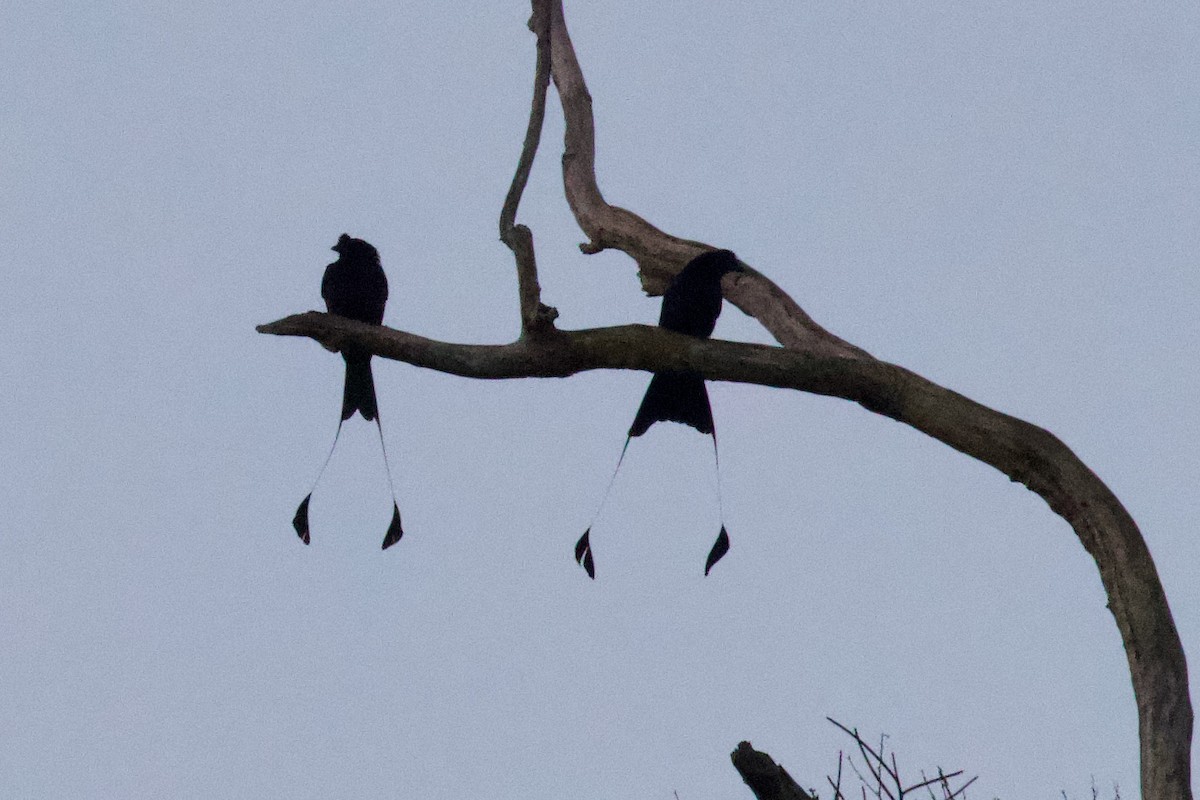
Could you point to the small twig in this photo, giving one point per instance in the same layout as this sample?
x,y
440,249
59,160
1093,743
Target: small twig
x,y
928,784
837,787
930,781
861,744
962,789
876,771
869,755
884,767
857,774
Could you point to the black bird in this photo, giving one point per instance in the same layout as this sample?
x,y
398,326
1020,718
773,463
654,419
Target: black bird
x,y
690,306
355,287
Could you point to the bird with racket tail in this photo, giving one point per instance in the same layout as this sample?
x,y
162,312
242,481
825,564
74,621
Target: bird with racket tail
x,y
690,305
355,287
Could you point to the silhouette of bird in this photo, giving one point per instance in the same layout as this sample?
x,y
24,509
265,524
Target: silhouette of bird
x,y
355,287
690,306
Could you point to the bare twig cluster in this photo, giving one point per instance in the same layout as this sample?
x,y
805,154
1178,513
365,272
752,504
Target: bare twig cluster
x,y
883,780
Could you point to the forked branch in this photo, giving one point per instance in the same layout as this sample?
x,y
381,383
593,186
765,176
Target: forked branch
x,y
659,255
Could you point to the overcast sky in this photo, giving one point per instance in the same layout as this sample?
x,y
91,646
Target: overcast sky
x,y
1003,199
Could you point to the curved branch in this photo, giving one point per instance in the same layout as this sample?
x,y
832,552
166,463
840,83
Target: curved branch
x,y
1030,455
1024,452
535,317
659,255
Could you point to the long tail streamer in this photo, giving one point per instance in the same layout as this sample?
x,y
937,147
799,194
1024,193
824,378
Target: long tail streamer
x,y
300,521
394,531
721,545
583,548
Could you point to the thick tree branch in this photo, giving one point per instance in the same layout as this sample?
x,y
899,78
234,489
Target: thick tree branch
x,y
766,779
559,354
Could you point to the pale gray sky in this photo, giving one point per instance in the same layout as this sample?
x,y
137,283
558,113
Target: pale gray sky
x,y
1002,199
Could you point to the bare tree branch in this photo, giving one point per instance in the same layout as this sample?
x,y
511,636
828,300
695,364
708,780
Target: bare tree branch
x,y
561,353
836,785
766,779
659,255
535,317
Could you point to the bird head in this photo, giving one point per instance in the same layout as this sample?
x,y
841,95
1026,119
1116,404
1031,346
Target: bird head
x,y
349,247
729,261
713,264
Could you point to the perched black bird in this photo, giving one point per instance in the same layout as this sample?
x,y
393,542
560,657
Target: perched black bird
x,y
355,287
690,306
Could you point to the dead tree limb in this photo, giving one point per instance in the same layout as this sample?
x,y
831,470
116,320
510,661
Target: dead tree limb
x,y
535,317
768,780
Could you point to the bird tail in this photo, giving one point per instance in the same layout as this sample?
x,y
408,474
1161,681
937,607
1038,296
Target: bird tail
x,y
677,397
359,394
